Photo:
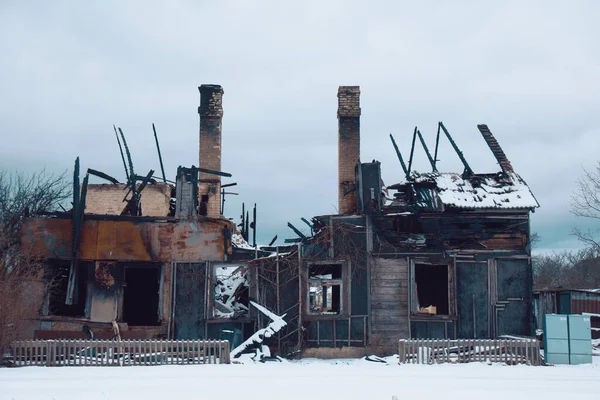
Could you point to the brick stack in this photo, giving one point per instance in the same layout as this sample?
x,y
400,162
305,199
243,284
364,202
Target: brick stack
x,y
348,146
211,117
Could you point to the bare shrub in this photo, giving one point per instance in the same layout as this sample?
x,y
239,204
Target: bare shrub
x,y
21,273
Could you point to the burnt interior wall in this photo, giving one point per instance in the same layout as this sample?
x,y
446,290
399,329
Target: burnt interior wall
x,y
107,199
438,232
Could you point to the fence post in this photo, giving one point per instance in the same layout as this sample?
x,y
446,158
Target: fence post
x,y
401,351
48,347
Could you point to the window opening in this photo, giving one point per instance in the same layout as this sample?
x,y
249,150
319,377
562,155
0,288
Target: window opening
x,y
203,205
325,289
58,290
431,283
230,291
140,297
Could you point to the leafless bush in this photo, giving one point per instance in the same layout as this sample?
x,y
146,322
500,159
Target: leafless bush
x,y
568,269
585,202
21,273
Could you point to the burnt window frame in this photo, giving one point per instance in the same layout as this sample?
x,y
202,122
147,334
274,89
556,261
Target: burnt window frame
x,y
343,282
85,276
413,289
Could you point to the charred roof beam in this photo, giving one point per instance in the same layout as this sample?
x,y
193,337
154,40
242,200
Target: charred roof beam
x,y
431,160
102,175
468,170
399,156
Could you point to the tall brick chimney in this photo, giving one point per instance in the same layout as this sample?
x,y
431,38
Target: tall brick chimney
x,y
211,116
348,146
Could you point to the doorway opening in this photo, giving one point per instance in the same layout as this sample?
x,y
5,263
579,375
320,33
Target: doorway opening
x,y
141,295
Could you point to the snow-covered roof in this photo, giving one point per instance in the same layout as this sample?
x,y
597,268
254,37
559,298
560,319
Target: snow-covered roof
x,y
480,191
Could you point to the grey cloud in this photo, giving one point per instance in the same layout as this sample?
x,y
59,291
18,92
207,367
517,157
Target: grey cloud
x,y
530,70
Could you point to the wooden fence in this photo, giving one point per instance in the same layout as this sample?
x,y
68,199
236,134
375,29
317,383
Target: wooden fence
x,y
509,351
117,353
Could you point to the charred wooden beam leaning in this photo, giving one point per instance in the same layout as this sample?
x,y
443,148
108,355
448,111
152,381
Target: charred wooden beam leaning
x,y
102,175
400,156
468,170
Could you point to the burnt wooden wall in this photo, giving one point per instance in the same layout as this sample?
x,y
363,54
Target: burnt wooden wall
x,y
389,301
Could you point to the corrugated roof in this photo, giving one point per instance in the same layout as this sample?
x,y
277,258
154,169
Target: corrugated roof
x,y
502,191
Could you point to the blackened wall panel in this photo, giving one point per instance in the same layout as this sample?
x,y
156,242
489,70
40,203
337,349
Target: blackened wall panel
x,y
472,300
514,287
190,290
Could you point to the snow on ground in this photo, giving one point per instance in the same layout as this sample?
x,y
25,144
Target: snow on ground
x,y
309,378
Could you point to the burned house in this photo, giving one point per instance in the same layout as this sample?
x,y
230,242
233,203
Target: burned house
x,y
437,255
148,258
442,255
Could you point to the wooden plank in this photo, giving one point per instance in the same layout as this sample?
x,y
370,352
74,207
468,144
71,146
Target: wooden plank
x,y
388,328
389,315
401,297
378,283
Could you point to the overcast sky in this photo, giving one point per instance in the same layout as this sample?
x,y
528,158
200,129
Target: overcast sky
x,y
530,70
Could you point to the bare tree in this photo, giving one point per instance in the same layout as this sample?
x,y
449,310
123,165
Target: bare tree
x,y
585,202
568,269
21,273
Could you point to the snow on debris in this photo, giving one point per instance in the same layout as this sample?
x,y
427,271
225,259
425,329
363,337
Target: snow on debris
x,y
238,241
231,287
256,340
481,191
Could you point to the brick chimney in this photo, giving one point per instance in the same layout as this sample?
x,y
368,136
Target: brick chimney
x,y
348,146
211,116
496,149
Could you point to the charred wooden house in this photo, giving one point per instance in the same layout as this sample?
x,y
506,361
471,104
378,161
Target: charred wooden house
x,y
445,256
144,259
439,255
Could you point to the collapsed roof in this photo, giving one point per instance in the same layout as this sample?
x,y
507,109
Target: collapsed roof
x,y
478,191
437,191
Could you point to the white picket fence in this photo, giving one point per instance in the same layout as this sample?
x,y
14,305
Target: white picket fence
x,y
509,351
117,353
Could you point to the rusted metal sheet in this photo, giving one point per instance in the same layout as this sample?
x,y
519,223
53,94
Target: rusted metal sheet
x,y
585,302
127,240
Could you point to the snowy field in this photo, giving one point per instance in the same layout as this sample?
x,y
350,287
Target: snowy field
x,y
313,379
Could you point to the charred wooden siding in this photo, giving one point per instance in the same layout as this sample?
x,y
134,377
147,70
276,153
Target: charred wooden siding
x,y
389,301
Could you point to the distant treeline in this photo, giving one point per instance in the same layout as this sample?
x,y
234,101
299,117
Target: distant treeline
x,y
568,269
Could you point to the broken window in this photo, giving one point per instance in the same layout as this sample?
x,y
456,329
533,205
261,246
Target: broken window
x,y
325,289
430,289
57,293
230,291
141,294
